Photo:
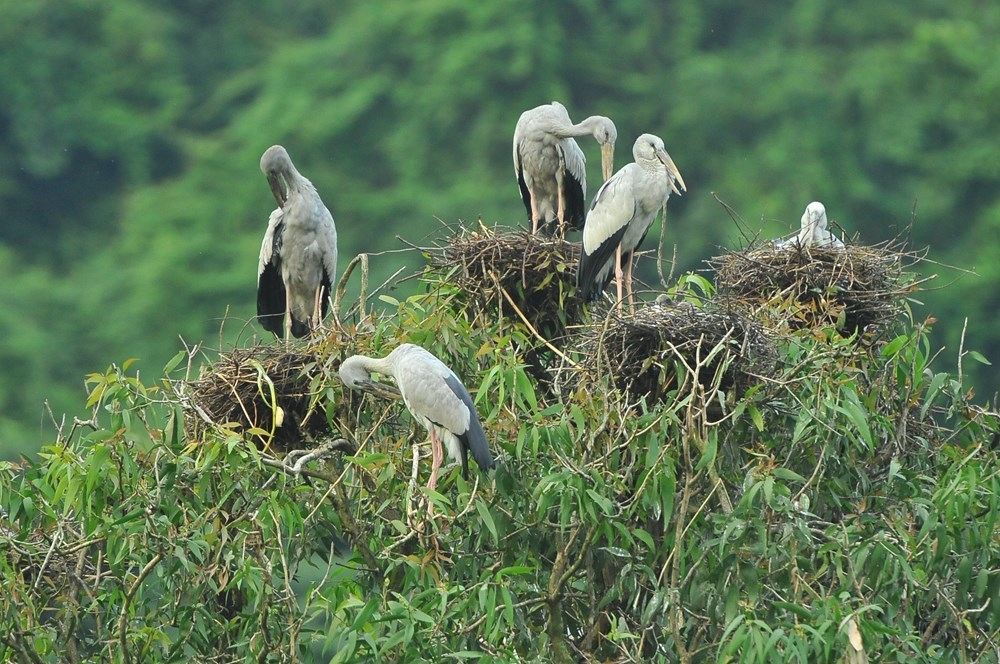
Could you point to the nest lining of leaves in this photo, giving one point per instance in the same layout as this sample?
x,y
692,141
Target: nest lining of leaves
x,y
855,288
515,272
641,350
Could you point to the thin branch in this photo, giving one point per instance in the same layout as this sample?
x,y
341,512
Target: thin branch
x,y
123,619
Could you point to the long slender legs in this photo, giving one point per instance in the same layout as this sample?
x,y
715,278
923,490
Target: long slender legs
x,y
560,178
317,308
618,275
288,312
437,457
534,211
628,285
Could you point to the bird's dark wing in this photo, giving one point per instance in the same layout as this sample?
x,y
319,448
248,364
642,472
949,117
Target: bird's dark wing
x,y
519,172
591,277
328,239
575,183
609,217
474,438
270,287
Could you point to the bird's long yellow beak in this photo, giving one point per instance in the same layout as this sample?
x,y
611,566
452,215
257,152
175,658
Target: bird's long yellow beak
x,y
383,390
277,188
607,160
673,175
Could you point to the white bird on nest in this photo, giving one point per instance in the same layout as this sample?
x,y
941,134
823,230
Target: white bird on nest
x,y
813,231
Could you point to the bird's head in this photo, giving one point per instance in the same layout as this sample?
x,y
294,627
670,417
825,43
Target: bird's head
x,y
648,148
606,134
275,163
814,216
354,374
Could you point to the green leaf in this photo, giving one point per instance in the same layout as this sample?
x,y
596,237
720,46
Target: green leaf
x,y
789,475
755,415
894,346
607,507
484,514
978,357
388,299
708,456
175,361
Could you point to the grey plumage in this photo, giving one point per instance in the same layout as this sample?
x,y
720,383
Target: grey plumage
x,y
435,397
621,214
551,168
298,256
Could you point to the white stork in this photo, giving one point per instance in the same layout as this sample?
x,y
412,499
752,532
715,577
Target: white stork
x,y
621,214
551,168
434,396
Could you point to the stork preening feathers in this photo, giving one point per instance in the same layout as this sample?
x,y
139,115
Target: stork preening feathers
x,y
434,396
620,216
551,168
298,257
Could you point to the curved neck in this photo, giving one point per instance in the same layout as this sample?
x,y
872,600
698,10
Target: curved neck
x,y
589,127
380,365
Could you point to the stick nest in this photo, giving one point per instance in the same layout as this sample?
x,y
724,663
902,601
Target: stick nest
x,y
640,350
517,273
854,288
245,388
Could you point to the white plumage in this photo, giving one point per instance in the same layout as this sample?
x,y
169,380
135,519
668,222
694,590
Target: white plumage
x,y
621,215
813,231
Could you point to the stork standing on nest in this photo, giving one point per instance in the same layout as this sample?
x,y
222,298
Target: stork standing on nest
x,y
298,257
434,396
621,215
551,168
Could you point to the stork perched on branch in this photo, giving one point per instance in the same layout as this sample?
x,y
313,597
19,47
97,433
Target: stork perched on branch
x,y
434,396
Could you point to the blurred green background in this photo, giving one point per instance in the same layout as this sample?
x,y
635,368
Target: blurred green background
x,y
132,205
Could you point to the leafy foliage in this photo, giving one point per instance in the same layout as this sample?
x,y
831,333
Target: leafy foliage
x,y
847,503
130,135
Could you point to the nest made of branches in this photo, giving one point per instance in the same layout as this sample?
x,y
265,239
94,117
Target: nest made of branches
x,y
250,387
528,278
853,288
642,351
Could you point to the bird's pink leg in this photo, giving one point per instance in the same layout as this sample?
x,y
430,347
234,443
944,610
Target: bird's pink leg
x,y
534,211
288,312
618,275
628,285
316,307
561,211
437,457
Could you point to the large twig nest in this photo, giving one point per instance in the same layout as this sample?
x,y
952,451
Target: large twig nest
x,y
260,391
853,288
527,278
643,351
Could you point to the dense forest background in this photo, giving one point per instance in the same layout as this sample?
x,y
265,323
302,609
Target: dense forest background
x,y
130,134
